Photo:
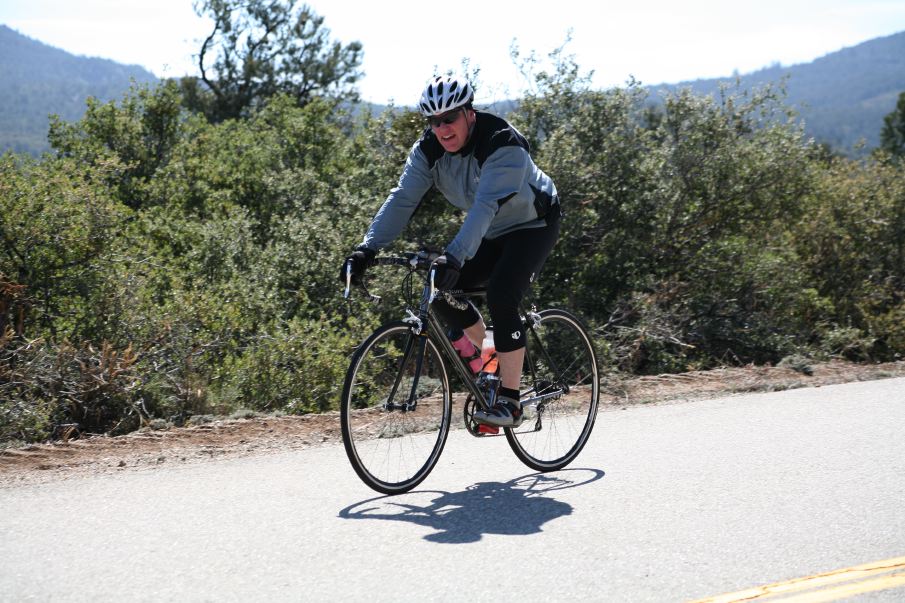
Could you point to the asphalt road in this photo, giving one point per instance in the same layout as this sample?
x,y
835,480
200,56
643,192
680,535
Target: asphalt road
x,y
667,503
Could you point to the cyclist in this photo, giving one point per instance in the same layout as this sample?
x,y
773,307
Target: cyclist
x,y
482,165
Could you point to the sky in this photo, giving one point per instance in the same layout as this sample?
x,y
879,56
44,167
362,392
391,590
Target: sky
x,y
406,41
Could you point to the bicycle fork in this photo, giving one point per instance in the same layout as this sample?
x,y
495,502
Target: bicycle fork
x,y
416,344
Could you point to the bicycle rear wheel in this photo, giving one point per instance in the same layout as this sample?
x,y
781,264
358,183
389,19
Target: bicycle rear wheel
x,y
563,363
394,430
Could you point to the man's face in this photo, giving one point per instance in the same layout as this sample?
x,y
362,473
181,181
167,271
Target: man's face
x,y
451,129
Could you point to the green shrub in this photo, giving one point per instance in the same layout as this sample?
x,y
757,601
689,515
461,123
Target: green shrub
x,y
847,342
298,369
889,330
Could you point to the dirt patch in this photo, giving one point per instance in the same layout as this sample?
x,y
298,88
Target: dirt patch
x,y
239,437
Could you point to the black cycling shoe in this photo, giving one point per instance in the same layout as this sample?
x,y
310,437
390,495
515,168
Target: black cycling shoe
x,y
505,413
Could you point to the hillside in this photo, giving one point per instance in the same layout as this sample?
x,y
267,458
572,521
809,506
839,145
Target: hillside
x,y
842,96
39,80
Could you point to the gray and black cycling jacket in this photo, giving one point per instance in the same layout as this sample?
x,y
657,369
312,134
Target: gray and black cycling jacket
x,y
492,178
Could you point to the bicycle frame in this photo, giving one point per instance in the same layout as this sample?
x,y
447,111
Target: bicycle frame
x,y
426,323
468,377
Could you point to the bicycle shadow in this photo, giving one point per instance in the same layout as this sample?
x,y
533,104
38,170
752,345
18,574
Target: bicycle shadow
x,y
518,507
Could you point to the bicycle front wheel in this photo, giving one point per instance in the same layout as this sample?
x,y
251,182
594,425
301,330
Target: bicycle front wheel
x,y
561,370
395,408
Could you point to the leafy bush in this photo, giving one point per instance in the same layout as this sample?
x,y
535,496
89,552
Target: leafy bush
x,y
298,369
674,238
852,246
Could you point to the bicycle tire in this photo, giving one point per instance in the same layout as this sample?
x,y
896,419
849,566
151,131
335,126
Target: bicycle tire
x,y
392,451
555,434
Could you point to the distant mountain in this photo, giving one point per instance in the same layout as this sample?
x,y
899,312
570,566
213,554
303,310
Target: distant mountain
x,y
37,80
842,96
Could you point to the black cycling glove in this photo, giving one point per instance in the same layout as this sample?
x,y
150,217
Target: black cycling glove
x,y
446,271
360,260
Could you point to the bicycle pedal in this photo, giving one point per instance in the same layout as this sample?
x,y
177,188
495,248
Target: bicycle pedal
x,y
488,429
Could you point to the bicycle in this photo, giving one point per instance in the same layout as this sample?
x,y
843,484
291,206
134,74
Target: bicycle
x,y
396,404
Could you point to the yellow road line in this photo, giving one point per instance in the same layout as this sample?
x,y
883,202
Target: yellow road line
x,y
847,590
858,572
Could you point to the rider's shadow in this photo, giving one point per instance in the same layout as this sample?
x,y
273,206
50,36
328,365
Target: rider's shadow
x,y
516,508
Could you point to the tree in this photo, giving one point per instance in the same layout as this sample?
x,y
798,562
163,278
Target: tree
x,y
136,136
892,137
259,48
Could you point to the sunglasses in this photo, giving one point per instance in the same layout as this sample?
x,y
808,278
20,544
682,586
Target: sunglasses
x,y
436,121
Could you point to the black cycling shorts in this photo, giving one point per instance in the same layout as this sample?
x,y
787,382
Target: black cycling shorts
x,y
506,265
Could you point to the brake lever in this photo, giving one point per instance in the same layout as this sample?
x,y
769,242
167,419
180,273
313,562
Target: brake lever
x,y
348,280
347,294
433,289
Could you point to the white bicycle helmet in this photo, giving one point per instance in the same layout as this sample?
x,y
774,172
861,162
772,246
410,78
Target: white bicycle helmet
x,y
445,93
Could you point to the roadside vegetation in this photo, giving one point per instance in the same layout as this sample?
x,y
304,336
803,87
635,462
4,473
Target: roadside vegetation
x,y
161,263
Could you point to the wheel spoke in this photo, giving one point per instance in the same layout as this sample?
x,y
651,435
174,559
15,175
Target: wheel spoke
x,y
393,449
567,360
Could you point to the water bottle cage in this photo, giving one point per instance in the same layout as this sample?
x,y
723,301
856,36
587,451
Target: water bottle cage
x,y
475,356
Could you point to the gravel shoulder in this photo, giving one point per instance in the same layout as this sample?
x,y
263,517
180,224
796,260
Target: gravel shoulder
x,y
151,448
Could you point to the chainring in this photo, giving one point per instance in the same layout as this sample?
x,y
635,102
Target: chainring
x,y
468,416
